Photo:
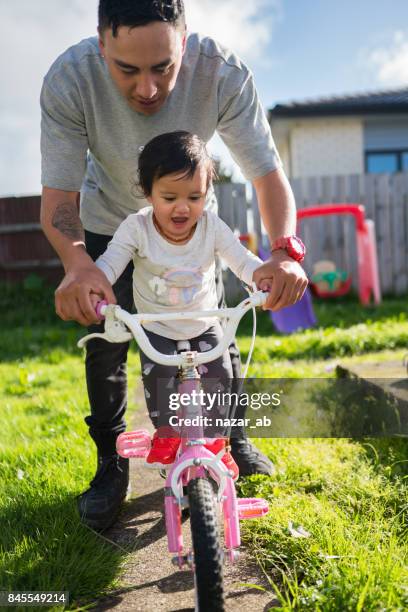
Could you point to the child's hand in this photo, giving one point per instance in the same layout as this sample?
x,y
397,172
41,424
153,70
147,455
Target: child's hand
x,y
95,298
262,283
265,284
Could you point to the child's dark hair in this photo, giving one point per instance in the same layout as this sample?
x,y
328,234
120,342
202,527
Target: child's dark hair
x,y
173,153
133,13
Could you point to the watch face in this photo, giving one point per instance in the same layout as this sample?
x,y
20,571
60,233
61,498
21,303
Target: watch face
x,y
296,248
295,245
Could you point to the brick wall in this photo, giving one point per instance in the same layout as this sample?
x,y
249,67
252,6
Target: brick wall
x,y
326,147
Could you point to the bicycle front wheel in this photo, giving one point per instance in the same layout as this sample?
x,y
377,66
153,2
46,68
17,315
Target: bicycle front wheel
x,y
208,562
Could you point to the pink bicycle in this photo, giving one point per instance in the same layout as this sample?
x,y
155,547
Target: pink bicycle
x,y
210,490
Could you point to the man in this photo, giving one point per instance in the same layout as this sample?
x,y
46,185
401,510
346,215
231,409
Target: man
x,y
101,101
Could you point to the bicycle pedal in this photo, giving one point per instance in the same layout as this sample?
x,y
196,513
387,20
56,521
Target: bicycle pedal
x,y
133,443
252,507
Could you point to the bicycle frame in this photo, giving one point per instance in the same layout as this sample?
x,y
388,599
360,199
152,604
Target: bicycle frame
x,y
193,460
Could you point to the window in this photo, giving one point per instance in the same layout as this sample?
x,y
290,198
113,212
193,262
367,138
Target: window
x,y
386,161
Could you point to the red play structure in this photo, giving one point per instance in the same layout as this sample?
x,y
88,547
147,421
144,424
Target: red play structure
x,y
368,278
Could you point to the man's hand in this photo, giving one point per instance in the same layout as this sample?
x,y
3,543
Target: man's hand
x,y
73,301
285,278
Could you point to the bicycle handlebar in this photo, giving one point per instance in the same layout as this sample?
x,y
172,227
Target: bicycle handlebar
x,y
134,324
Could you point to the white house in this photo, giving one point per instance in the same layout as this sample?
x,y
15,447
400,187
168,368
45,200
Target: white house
x,y
343,135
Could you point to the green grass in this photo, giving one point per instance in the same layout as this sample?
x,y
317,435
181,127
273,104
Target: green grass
x,y
46,455
351,500
46,458
351,496
344,328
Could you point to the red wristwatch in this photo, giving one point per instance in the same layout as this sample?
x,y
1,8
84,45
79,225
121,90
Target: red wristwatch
x,y
292,245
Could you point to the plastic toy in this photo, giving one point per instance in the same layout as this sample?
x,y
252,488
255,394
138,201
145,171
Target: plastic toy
x,y
368,277
251,241
328,281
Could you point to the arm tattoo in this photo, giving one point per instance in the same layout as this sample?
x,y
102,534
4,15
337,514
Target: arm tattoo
x,y
67,221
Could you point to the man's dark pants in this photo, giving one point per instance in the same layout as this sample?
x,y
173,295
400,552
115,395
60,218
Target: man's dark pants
x,y
106,363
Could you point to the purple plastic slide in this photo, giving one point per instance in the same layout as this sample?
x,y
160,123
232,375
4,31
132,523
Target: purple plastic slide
x,y
296,317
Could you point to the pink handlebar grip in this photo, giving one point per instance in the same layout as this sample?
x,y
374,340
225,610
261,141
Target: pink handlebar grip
x,y
98,309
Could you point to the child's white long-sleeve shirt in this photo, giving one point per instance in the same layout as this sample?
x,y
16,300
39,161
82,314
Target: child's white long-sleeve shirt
x,y
169,277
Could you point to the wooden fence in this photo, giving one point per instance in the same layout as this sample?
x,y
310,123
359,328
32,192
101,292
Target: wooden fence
x,y
385,197
25,250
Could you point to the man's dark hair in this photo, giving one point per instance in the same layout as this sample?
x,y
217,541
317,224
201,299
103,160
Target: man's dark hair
x,y
173,153
132,13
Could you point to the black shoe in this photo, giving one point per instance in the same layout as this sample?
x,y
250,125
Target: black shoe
x,y
99,506
249,459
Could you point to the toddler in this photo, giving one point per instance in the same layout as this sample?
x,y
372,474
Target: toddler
x,y
173,244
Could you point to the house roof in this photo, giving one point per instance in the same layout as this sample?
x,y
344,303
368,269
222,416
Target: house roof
x,y
392,101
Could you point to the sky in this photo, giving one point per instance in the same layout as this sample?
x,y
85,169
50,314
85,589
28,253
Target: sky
x,y
297,50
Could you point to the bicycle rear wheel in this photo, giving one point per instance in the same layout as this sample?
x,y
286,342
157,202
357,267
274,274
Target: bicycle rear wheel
x,y
208,562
